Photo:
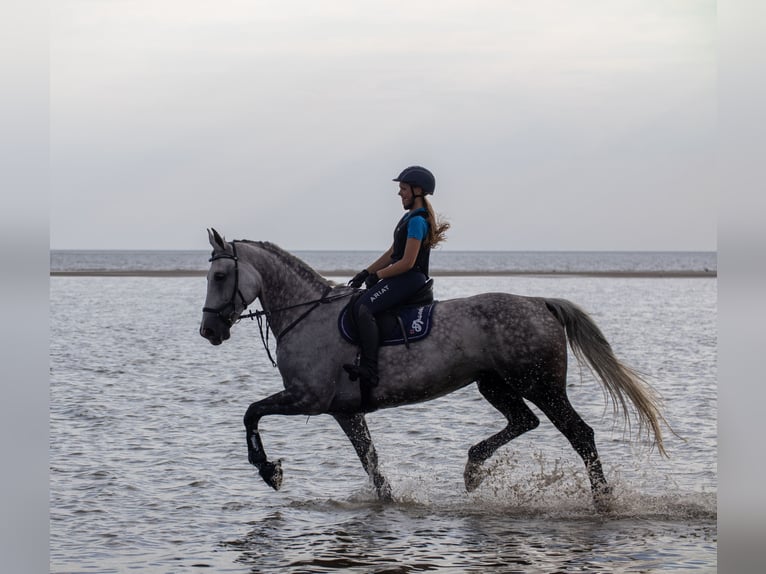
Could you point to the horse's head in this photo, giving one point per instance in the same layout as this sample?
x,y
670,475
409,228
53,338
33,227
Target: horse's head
x,y
231,286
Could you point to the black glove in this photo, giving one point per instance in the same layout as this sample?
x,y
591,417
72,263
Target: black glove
x,y
358,279
372,278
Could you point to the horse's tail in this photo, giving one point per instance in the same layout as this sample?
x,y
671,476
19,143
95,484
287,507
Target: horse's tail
x,y
621,382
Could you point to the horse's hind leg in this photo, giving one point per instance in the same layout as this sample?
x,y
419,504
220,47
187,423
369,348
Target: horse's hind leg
x,y
355,427
556,406
520,420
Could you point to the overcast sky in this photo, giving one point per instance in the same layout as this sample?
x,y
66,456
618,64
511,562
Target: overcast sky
x,y
549,124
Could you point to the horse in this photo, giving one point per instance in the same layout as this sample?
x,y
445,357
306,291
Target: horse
x,y
513,347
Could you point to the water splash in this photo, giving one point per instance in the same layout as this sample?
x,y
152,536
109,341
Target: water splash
x,y
536,486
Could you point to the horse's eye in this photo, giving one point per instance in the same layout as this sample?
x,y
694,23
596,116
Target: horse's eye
x,y
219,275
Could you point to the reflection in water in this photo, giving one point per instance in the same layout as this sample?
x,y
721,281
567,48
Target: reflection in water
x,y
369,537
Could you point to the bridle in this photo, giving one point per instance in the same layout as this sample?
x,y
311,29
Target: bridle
x,y
228,314
228,311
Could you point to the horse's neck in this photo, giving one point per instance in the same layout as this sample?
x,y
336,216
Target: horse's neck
x,y
285,284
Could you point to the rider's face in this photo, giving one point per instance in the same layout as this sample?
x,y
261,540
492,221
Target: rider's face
x,y
408,197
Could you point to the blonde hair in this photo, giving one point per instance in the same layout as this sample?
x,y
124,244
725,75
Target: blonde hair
x,y
437,230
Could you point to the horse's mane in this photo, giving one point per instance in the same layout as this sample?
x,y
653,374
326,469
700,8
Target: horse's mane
x,y
295,263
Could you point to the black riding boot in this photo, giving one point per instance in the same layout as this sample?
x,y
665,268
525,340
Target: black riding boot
x,y
367,370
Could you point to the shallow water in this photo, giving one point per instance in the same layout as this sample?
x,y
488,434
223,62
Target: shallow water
x,y
149,469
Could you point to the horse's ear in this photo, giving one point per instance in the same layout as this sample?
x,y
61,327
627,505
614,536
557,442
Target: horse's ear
x,y
215,239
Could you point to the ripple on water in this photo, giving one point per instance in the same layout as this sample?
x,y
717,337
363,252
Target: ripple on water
x,y
471,538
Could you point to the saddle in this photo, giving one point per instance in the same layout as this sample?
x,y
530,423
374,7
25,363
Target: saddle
x,y
402,325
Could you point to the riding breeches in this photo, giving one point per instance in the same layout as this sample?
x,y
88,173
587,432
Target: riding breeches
x,y
390,292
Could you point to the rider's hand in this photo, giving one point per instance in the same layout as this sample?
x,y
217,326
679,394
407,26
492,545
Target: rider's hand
x,y
358,279
371,280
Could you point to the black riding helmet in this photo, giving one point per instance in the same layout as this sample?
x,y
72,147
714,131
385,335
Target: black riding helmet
x,y
418,176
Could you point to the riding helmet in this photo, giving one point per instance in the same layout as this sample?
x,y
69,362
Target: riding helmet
x,y
418,176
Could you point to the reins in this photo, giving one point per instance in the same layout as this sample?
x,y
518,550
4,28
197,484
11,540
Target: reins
x,y
259,316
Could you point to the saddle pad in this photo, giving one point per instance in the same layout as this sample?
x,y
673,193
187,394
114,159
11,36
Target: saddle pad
x,y
417,323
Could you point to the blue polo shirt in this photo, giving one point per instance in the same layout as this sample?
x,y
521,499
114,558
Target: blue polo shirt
x,y
417,226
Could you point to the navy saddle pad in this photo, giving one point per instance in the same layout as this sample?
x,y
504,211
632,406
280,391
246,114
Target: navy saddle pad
x,y
397,326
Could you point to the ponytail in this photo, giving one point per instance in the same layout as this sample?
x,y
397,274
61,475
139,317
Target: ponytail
x,y
438,226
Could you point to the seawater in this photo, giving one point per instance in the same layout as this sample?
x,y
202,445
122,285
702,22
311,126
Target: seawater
x,y
149,472
441,261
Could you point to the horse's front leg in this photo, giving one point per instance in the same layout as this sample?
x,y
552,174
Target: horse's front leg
x,y
355,427
282,403
271,472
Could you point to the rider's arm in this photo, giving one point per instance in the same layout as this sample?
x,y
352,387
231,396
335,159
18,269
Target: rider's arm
x,y
382,261
411,249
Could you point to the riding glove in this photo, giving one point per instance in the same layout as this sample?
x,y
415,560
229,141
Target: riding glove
x,y
372,278
358,279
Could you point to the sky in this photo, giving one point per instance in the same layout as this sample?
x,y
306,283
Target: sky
x,y
549,124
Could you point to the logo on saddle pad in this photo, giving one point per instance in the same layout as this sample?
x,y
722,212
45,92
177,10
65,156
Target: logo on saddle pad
x,y
417,324
397,327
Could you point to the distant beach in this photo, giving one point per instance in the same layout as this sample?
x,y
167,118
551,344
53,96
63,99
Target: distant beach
x,y
104,263
450,273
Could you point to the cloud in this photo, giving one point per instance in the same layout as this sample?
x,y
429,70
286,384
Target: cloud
x,y
303,108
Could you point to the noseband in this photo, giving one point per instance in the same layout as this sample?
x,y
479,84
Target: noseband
x,y
228,311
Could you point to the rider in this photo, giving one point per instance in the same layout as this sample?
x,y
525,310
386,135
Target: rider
x,y
401,271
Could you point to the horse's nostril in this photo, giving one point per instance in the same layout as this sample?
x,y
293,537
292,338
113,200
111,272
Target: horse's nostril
x,y
206,332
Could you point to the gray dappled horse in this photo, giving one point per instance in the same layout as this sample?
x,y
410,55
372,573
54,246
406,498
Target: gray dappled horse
x,y
513,347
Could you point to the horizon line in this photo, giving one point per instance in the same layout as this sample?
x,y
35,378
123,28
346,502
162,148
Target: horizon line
x,y
435,250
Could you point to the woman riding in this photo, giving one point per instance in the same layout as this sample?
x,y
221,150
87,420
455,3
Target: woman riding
x,y
401,271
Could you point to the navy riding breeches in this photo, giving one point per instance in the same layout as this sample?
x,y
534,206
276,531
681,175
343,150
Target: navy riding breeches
x,y
390,292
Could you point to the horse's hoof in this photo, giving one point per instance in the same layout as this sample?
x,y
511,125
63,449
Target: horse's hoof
x,y
271,473
473,475
384,492
603,499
